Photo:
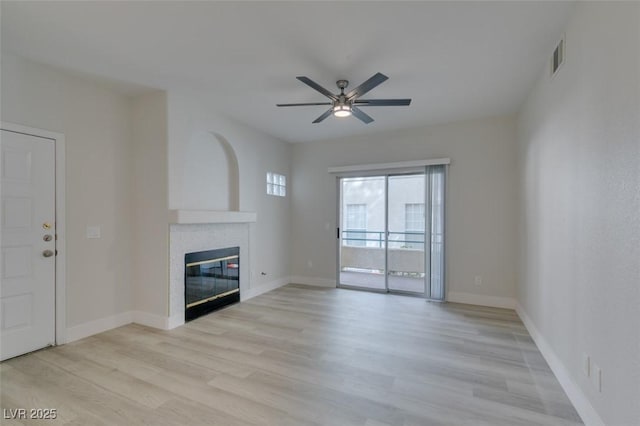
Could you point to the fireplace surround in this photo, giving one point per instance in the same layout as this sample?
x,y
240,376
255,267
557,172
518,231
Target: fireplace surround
x,y
193,231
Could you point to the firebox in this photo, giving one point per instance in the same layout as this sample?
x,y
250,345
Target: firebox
x,y
211,280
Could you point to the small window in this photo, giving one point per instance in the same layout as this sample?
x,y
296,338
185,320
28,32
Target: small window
x,y
276,184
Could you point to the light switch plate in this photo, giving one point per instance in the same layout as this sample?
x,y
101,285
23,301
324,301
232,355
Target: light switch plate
x,y
94,231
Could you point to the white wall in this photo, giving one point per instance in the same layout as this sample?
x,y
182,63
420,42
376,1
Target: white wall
x,y
481,205
151,230
579,165
96,125
119,177
192,115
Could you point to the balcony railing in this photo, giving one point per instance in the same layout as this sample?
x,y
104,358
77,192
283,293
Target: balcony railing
x,y
372,239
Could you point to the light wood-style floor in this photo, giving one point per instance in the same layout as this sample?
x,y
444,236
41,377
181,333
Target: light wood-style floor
x,y
300,356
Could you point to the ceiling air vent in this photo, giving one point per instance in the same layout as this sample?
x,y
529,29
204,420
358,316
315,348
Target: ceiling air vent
x,y
558,57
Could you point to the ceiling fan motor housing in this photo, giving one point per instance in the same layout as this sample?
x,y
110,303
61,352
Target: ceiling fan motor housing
x,y
342,100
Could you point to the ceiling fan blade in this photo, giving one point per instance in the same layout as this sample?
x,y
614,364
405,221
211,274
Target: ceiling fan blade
x,y
360,115
377,79
382,102
323,116
307,104
316,86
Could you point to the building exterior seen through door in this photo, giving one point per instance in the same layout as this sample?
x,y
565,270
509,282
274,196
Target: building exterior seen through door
x,y
406,233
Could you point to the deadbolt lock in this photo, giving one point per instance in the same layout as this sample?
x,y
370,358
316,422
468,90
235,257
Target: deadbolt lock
x,y
46,225
47,237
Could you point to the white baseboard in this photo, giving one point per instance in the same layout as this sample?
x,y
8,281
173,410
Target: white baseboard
x,y
481,300
167,323
579,400
98,326
105,324
151,320
318,282
264,288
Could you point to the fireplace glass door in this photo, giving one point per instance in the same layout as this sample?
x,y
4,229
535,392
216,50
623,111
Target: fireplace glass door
x,y
211,276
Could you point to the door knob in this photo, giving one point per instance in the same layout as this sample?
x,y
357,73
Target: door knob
x,y
47,253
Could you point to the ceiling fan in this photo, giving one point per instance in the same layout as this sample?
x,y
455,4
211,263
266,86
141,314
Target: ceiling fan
x,y
346,104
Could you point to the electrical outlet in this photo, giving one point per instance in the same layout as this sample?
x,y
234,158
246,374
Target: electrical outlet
x,y
586,365
478,280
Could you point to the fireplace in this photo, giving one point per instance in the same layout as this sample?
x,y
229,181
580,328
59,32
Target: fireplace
x,y
211,280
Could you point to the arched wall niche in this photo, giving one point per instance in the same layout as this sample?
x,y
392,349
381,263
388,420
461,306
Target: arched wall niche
x,y
211,174
233,172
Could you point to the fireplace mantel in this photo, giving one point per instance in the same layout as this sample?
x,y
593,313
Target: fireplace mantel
x,y
210,216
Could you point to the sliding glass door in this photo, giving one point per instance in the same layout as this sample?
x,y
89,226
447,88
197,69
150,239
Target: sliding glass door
x,y
362,236
391,235
406,233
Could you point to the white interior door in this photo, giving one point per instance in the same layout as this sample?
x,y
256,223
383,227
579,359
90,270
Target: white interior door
x,y
27,290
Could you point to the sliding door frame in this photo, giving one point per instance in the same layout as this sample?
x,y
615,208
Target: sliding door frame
x,y
360,171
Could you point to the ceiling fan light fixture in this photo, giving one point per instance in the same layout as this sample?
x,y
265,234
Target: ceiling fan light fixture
x,y
342,110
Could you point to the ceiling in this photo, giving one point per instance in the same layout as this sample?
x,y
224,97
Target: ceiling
x,y
457,60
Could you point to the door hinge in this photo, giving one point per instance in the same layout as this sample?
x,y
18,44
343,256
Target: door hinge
x,y
338,233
